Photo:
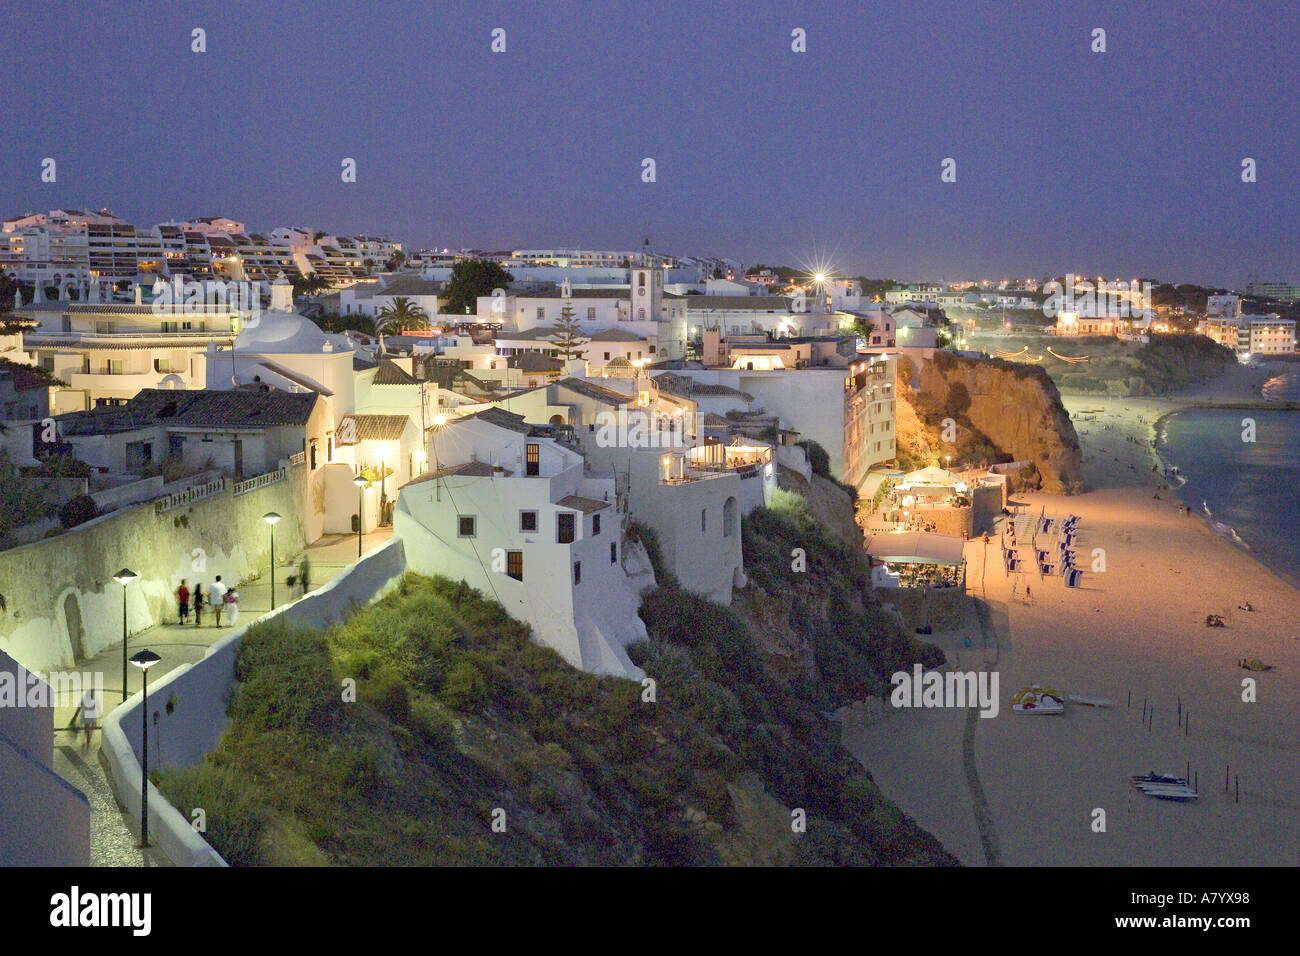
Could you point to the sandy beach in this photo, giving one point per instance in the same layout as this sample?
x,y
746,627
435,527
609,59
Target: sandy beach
x,y
1029,788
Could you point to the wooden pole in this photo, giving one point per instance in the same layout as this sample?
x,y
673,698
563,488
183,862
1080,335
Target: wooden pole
x,y
1236,786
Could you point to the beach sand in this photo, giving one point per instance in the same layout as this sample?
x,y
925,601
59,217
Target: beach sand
x,y
1135,629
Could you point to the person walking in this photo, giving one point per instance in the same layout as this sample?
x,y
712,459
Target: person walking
x,y
182,603
198,603
89,715
232,606
217,598
304,573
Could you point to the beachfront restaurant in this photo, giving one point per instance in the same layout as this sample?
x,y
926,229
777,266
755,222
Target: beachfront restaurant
x,y
916,559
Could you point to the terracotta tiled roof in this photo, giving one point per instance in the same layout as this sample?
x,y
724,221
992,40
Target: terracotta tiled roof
x,y
371,428
585,505
600,393
237,408
390,373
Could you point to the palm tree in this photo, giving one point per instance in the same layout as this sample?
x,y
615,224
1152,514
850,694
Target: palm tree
x,y
402,314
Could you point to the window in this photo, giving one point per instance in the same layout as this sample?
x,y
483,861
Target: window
x,y
606,356
541,312
613,552
640,313
564,527
591,314
652,350
528,521
704,521
532,460
466,525
313,454
515,564
577,572
595,525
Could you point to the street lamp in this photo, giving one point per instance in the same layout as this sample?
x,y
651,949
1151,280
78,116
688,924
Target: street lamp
x,y
271,518
124,577
144,660
360,482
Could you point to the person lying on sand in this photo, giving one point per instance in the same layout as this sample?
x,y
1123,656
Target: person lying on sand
x,y
1245,607
1214,620
1254,664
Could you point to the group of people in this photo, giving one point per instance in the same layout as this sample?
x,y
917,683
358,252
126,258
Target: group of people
x,y
219,598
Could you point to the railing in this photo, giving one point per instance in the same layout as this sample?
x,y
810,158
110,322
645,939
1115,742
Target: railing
x,y
197,493
298,458
119,338
261,481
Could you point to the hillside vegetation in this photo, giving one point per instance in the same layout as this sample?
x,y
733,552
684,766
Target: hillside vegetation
x,y
460,715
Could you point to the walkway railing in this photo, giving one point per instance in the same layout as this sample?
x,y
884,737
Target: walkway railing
x,y
197,493
261,481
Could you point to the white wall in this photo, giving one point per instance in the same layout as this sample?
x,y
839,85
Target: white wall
x,y
589,623
44,820
703,559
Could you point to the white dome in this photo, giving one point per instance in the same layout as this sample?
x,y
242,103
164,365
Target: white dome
x,y
286,332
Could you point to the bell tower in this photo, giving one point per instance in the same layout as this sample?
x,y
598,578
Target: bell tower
x,y
647,294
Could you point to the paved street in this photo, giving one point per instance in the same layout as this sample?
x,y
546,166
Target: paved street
x,y
113,838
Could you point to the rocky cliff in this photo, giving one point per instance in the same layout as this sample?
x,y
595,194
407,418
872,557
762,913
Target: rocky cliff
x,y
1015,408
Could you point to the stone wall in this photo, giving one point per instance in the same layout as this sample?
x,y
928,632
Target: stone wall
x,y
61,604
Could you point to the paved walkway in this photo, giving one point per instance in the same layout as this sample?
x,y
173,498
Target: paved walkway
x,y
114,838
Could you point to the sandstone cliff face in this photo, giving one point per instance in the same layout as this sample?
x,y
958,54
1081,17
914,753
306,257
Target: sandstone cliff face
x,y
1016,407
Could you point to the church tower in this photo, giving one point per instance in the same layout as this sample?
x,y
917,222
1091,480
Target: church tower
x,y
647,294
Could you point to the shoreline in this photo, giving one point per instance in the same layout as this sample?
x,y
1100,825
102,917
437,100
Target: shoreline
x,y
1136,635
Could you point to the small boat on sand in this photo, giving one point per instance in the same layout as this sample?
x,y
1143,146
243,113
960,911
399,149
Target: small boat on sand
x,y
1164,787
1038,700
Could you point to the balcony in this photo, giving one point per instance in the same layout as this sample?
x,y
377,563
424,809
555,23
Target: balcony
x,y
124,340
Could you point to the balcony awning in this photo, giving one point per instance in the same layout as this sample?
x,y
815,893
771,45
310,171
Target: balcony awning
x,y
916,547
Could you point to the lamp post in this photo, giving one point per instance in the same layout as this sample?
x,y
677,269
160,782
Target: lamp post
x,y
271,518
361,483
144,660
438,422
124,577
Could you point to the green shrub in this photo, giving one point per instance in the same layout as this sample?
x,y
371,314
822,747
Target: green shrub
x,y
77,511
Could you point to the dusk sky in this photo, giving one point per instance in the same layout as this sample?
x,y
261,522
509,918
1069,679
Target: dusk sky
x,y
1124,163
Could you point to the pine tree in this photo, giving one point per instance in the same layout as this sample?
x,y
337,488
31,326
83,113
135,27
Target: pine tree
x,y
567,337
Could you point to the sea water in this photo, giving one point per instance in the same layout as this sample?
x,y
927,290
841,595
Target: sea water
x,y
1248,491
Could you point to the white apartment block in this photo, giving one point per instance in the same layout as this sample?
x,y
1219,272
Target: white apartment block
x,y
1249,335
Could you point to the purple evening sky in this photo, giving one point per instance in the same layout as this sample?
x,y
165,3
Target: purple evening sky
x,y
1123,163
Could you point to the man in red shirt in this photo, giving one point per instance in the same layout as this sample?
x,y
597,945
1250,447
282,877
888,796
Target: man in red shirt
x,y
183,602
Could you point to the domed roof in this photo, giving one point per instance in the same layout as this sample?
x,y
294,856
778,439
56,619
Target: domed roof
x,y
284,332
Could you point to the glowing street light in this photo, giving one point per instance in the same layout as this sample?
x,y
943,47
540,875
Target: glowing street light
x,y
144,660
361,482
124,577
271,518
